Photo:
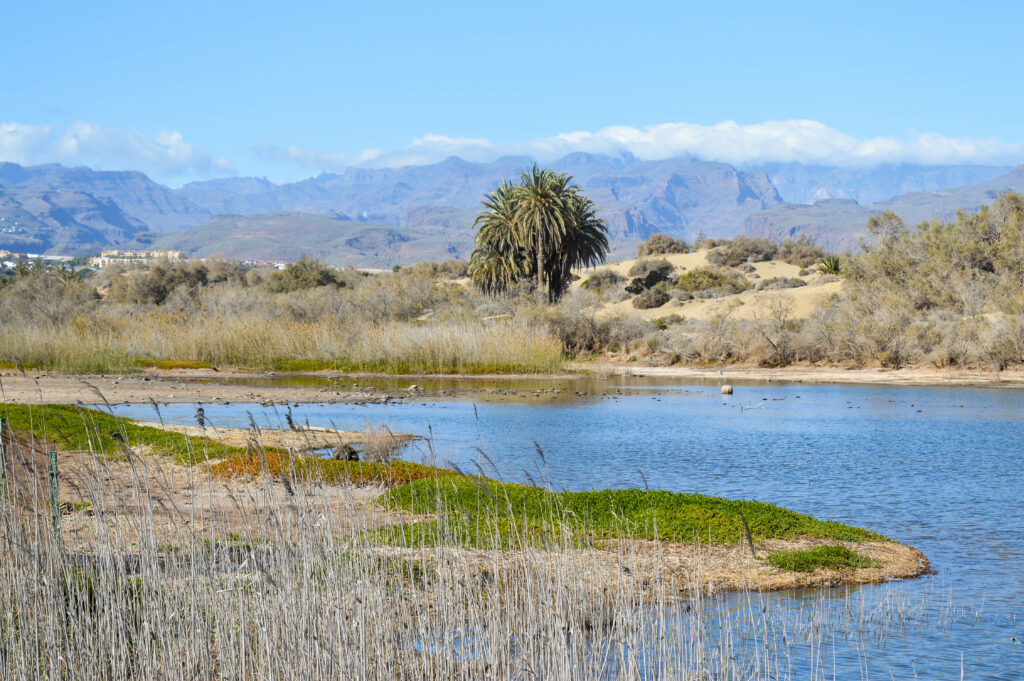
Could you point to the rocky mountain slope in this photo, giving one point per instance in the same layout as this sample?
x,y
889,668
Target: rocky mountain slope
x,y
841,223
432,207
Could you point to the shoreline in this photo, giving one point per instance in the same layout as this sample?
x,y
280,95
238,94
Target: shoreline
x,y
207,386
963,378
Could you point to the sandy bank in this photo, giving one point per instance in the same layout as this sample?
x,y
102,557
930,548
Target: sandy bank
x,y
168,387
811,374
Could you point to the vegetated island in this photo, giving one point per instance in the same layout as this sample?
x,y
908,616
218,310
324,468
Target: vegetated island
x,y
124,484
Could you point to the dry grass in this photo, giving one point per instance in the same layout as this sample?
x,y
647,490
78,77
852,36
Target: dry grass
x,y
105,343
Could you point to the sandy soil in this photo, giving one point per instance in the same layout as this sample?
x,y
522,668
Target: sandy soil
x,y
301,439
803,301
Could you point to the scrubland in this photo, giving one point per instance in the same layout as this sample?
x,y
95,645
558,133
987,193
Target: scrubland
x,y
945,294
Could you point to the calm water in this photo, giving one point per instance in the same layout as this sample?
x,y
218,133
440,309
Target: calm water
x,y
940,469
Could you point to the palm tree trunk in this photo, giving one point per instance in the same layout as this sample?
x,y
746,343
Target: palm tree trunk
x,y
540,259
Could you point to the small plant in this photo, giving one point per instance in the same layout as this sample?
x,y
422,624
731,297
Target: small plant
x,y
777,283
826,557
831,265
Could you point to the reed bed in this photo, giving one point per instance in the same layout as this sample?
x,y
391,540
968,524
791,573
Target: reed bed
x,y
108,342
155,592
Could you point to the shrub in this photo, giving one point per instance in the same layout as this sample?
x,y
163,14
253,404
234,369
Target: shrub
x,y
801,252
651,298
705,279
154,284
603,278
777,283
658,244
647,265
648,281
743,249
305,274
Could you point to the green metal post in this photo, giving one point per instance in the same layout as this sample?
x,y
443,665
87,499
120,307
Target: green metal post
x,y
54,496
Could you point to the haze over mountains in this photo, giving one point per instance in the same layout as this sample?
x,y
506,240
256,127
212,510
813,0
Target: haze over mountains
x,y
379,217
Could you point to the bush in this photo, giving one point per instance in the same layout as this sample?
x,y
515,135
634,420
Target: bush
x,y
645,266
305,274
704,279
743,249
154,284
603,278
651,298
659,244
801,252
646,282
777,283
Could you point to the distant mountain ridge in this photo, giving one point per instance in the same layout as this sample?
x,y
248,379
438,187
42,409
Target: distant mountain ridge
x,y
81,210
841,223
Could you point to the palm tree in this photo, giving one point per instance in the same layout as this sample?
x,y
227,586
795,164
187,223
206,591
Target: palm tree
x,y
540,228
499,259
585,244
542,213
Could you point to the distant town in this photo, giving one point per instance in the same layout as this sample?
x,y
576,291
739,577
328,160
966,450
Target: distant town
x,y
9,260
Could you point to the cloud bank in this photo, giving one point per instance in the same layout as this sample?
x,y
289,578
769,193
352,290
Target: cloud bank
x,y
802,141
164,154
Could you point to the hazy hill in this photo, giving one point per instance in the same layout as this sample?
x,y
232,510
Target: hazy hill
x,y
809,183
70,222
287,236
159,208
77,210
683,196
841,223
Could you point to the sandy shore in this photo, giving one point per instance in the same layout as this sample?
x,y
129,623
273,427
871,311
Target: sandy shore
x,y
167,387
203,386
809,374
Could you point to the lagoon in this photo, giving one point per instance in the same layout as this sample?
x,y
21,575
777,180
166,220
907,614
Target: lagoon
x,y
937,468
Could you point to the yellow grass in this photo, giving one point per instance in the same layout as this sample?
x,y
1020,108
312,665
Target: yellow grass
x,y
108,343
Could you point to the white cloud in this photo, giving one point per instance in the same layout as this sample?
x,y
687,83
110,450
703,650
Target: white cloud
x,y
164,154
803,141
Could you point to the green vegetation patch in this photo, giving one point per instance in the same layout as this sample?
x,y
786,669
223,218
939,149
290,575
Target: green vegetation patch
x,y
480,511
80,428
329,471
827,557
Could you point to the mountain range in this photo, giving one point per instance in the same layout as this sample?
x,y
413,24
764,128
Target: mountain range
x,y
379,217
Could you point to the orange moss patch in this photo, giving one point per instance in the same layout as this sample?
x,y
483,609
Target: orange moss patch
x,y
280,465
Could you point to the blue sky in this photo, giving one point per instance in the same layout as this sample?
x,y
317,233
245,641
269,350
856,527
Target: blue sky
x,y
189,90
